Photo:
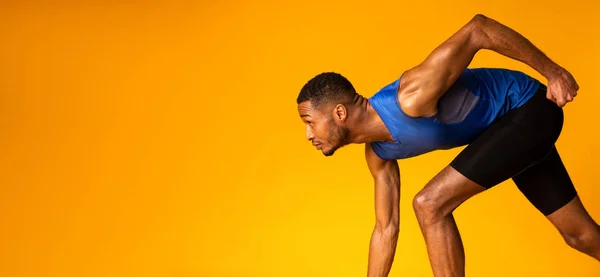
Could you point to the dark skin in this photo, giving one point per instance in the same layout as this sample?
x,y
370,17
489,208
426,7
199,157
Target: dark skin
x,y
354,121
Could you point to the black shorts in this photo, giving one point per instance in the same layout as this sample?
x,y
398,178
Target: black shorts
x,y
520,145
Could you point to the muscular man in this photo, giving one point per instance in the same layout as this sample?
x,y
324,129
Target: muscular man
x,y
508,120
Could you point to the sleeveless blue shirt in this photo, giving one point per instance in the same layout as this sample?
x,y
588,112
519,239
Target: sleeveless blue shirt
x,y
471,104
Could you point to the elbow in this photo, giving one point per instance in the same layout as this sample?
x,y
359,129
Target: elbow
x,y
478,26
479,19
478,22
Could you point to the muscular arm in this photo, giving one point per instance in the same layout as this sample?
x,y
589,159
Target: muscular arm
x,y
423,85
382,246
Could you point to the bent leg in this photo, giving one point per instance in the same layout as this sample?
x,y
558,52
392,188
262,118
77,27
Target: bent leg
x,y
433,206
549,188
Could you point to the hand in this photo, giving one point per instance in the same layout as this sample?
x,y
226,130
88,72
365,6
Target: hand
x,y
562,88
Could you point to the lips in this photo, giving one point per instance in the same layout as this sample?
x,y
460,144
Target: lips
x,y
317,145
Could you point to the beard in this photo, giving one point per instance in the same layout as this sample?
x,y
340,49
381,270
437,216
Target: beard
x,y
338,137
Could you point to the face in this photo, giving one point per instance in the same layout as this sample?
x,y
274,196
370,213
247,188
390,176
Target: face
x,y
324,129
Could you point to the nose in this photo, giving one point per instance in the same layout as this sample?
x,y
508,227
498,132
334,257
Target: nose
x,y
309,134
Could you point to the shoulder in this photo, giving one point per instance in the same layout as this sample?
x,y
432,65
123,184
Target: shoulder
x,y
409,86
370,154
377,165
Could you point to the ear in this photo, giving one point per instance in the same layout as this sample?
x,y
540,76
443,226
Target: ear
x,y
340,112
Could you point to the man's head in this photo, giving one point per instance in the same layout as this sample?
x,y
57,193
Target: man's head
x,y
323,106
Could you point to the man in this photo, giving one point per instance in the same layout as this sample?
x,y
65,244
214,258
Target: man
x,y
509,121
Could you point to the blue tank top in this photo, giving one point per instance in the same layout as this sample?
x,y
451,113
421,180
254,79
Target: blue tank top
x,y
471,104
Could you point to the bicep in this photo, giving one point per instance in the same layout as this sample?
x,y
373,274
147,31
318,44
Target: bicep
x,y
424,84
386,176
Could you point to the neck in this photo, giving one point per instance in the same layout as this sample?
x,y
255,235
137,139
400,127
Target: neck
x,y
367,125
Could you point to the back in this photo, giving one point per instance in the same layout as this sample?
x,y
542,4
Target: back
x,y
476,100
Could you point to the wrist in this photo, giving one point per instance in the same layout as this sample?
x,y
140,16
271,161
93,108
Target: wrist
x,y
553,71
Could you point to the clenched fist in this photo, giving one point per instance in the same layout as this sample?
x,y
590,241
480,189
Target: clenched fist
x,y
562,87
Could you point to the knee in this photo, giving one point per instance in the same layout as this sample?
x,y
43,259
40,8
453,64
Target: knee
x,y
587,240
428,207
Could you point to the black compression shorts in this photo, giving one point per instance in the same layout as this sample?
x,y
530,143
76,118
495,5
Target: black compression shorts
x,y
520,145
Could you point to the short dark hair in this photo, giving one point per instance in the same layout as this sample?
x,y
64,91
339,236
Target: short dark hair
x,y
325,88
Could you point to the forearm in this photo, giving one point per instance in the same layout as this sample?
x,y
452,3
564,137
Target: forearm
x,y
505,41
381,251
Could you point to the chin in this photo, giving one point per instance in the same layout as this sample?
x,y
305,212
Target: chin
x,y
332,150
328,153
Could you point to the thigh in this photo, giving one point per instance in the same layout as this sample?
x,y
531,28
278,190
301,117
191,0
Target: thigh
x,y
448,189
518,140
547,184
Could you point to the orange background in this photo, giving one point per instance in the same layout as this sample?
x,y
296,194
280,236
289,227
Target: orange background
x,y
154,139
